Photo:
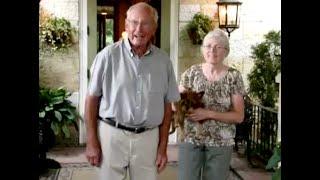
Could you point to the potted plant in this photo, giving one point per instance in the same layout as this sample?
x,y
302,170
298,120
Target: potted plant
x,y
56,115
56,33
198,27
274,162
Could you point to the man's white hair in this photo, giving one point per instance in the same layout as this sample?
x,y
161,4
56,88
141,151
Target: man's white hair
x,y
152,10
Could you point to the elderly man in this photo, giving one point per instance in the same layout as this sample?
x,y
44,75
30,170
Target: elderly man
x,y
128,105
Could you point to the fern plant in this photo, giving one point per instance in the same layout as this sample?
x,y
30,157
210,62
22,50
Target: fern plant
x,y
267,62
198,27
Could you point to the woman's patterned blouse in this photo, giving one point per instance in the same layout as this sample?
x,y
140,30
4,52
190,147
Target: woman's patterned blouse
x,y
217,97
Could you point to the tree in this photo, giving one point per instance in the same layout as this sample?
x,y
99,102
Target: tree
x,y
267,62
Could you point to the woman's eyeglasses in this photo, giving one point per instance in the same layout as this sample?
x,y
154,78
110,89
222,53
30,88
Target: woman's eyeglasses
x,y
215,48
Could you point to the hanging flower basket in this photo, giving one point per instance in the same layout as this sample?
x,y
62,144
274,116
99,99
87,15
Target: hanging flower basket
x,y
198,27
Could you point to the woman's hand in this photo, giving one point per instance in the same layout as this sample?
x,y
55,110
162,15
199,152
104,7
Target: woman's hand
x,y
198,114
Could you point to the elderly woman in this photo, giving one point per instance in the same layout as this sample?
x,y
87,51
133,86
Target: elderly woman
x,y
207,154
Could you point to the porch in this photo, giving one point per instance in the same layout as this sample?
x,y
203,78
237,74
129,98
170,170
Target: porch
x,y
72,158
255,139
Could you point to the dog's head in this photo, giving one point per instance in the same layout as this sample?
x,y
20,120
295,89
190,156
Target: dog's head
x,y
191,99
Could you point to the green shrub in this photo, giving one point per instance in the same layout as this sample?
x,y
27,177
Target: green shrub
x,y
56,33
267,61
57,110
198,27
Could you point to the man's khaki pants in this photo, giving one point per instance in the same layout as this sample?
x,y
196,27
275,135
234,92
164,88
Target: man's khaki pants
x,y
123,150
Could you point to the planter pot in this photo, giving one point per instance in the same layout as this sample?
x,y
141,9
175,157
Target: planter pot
x,y
46,136
46,142
194,37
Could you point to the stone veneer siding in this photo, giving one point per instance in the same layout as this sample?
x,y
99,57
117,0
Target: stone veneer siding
x,y
68,9
61,69
256,19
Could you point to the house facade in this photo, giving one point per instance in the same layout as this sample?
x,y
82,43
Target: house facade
x,y
256,19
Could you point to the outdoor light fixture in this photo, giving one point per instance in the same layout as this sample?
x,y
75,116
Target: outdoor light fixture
x,y
228,13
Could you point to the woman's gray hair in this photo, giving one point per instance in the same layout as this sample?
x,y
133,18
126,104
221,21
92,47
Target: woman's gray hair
x,y
219,35
153,11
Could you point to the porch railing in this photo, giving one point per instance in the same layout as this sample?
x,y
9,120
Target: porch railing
x,y
259,131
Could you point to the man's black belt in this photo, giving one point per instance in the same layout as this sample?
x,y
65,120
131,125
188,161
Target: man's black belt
x,y
114,123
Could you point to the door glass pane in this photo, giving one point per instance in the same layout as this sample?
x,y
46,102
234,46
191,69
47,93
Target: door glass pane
x,y
109,31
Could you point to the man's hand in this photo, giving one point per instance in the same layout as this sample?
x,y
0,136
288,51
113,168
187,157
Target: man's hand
x,y
161,161
93,152
93,149
162,158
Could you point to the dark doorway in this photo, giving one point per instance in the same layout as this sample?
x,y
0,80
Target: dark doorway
x,y
105,26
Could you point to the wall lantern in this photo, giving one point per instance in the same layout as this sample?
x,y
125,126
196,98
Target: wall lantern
x,y
228,13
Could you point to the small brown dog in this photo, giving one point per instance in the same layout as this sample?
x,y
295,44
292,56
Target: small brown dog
x,y
189,100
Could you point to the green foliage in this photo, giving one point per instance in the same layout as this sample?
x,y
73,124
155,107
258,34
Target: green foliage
x,y
274,161
267,61
198,27
109,31
56,33
56,109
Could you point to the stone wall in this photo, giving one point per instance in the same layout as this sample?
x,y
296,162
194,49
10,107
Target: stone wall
x,y
68,9
58,69
188,53
256,19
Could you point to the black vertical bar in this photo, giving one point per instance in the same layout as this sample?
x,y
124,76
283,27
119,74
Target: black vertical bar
x,y
260,133
237,25
255,127
226,24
